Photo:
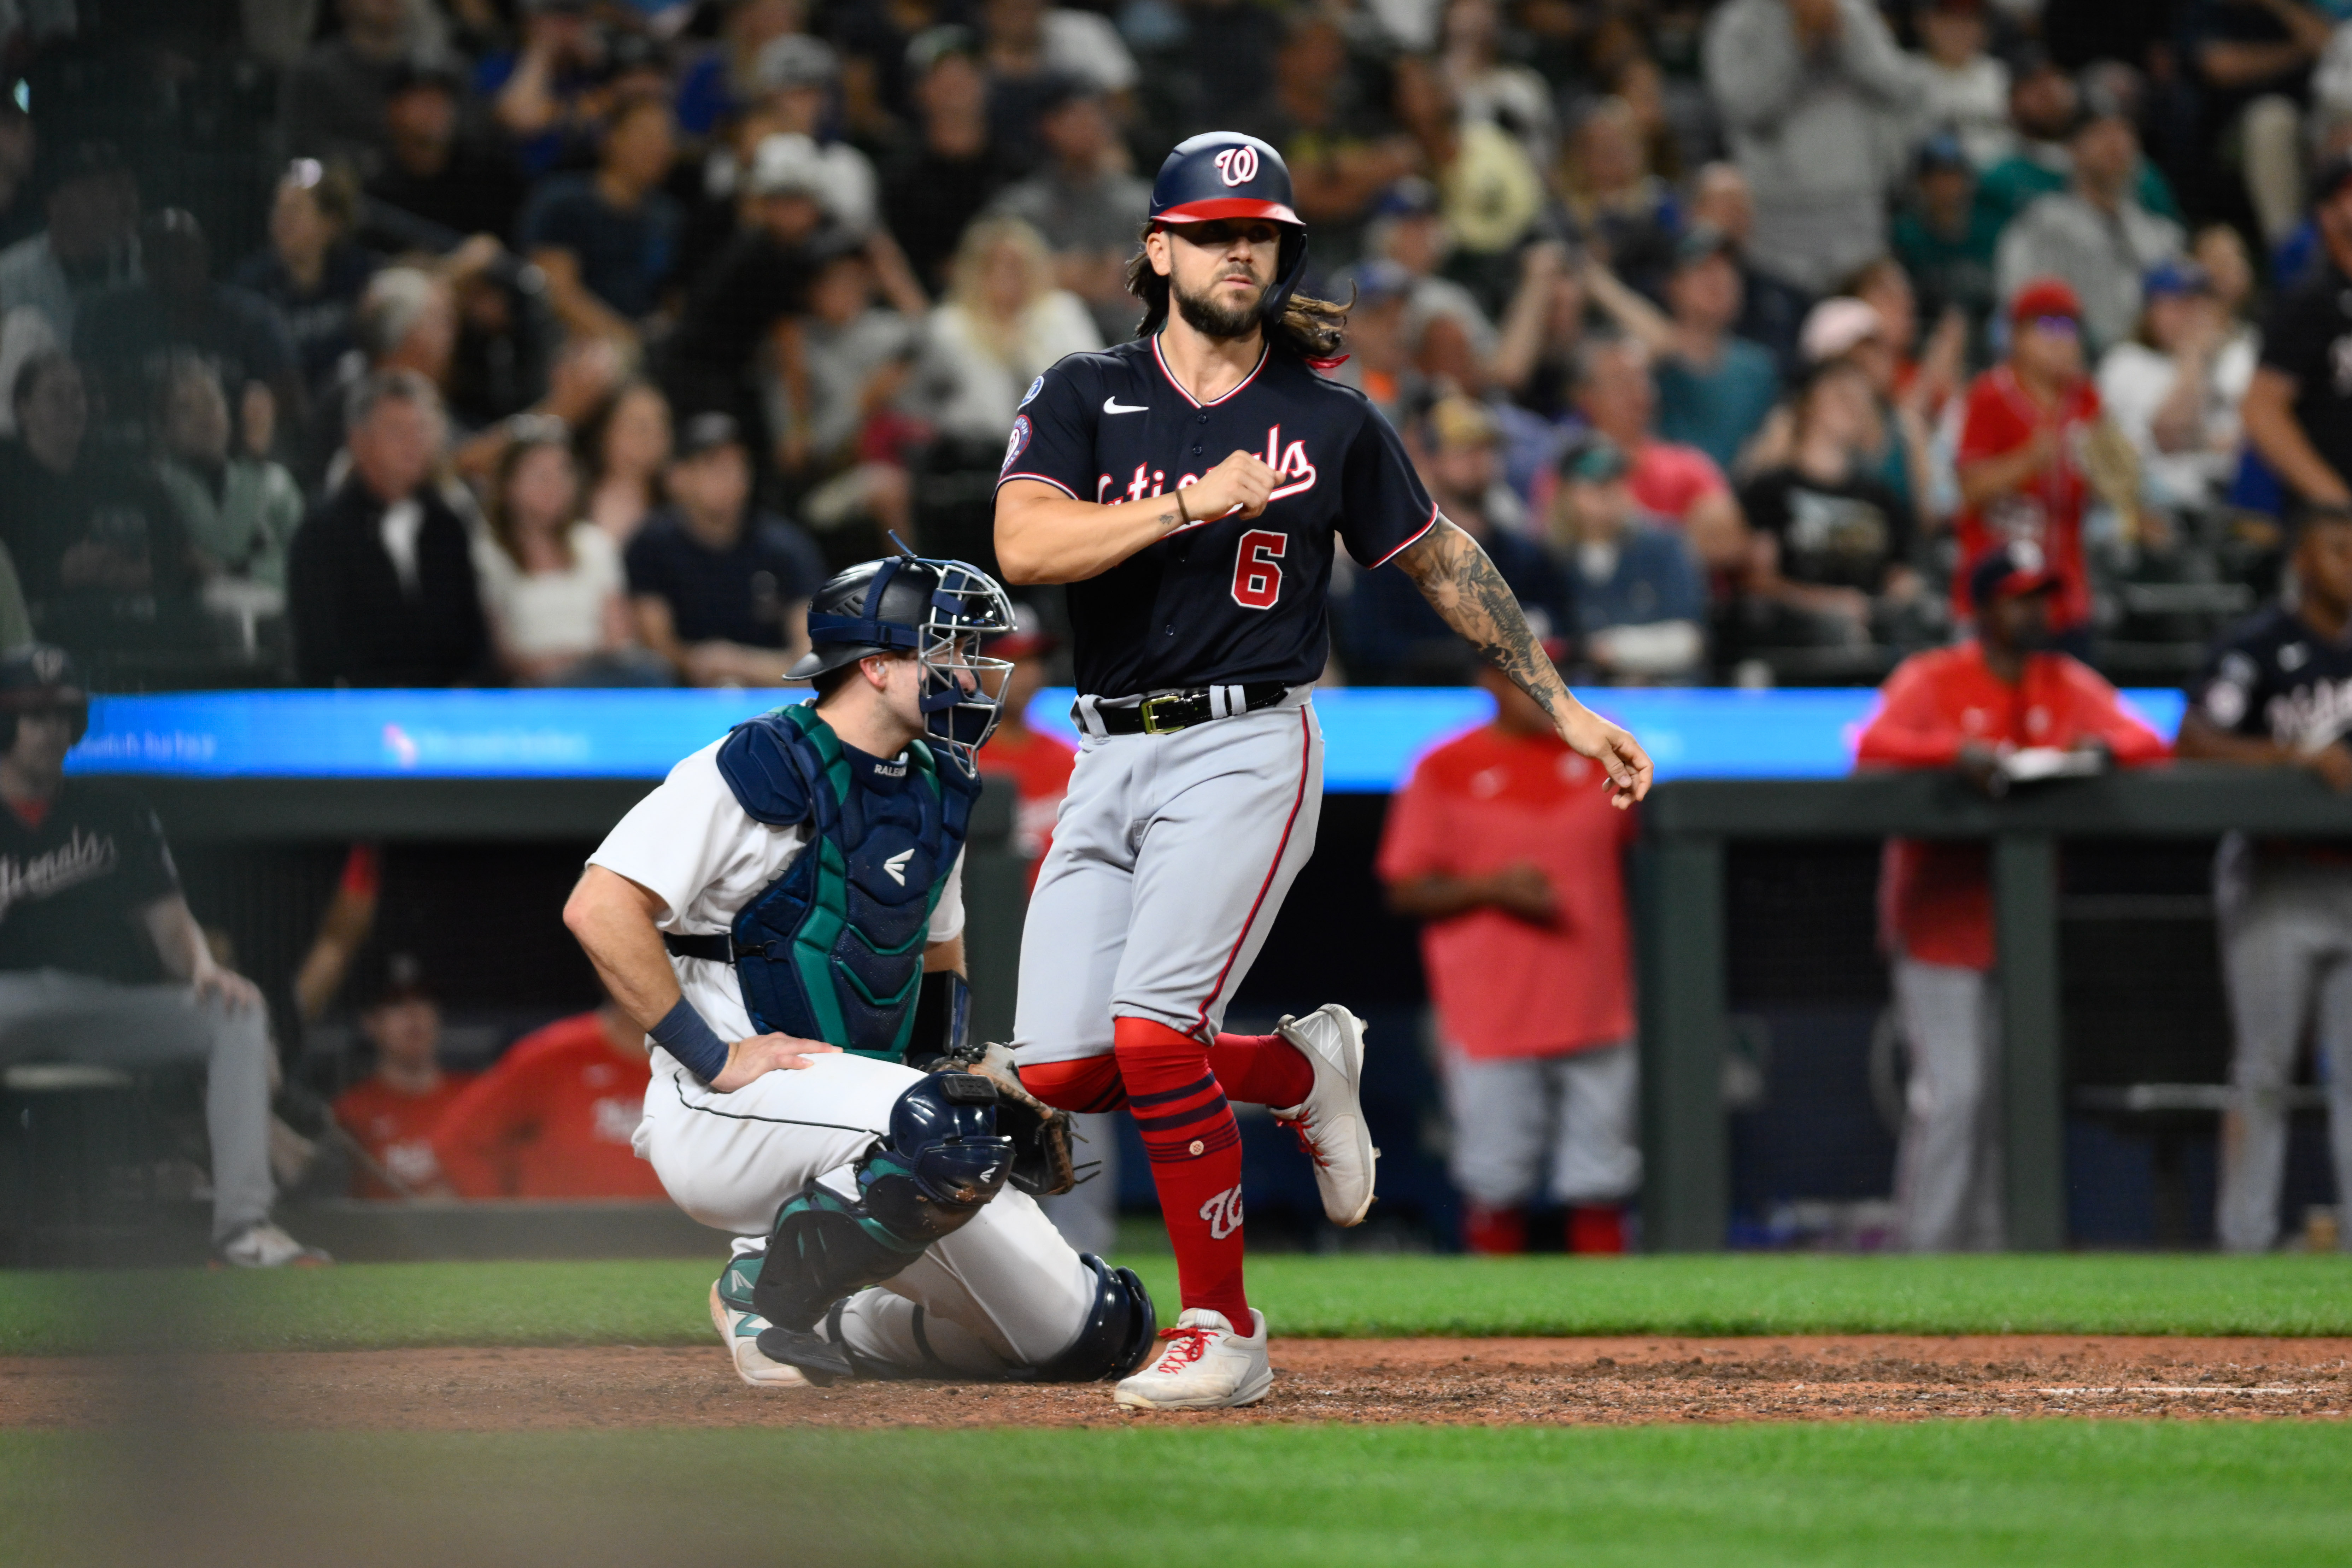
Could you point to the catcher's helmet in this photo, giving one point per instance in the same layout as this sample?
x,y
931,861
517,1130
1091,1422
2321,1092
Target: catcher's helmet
x,y
1225,174
41,676
935,610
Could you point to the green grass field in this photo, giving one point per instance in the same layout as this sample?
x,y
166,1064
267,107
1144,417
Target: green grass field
x,y
1142,1493
362,1305
1727,1497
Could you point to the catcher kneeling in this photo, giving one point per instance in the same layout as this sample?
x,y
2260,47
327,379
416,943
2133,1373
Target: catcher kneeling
x,y
784,916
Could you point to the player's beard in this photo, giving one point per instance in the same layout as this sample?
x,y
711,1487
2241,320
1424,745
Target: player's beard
x,y
1206,316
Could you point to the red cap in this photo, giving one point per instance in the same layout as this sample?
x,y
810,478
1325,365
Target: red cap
x,y
2045,297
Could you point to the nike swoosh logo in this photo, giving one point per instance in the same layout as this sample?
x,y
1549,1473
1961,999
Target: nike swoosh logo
x,y
1113,405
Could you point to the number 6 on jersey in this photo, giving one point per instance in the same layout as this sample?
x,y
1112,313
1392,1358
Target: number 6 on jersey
x,y
1257,569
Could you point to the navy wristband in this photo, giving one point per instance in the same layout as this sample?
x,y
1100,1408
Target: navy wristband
x,y
683,1035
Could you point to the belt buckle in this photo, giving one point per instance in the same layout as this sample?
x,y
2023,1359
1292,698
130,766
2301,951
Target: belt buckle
x,y
1149,710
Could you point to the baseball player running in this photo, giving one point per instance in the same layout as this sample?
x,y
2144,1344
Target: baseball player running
x,y
784,917
1188,487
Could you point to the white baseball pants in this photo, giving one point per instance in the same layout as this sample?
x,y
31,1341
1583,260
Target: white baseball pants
x,y
1948,1159
1004,1291
1170,858
47,1014
1519,1120
2286,955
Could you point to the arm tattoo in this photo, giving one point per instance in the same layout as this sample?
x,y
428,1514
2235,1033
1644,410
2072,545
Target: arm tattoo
x,y
1462,586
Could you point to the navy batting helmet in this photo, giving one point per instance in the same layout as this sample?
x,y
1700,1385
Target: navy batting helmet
x,y
1223,175
935,610
41,679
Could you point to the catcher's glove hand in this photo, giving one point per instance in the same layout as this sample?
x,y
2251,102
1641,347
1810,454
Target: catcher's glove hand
x,y
1042,1162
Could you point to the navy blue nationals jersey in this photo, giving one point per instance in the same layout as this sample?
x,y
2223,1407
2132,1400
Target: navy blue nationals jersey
x,y
1231,600
2272,677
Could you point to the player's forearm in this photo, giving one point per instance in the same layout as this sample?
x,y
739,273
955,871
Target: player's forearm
x,y
1044,536
2268,415
607,915
2202,741
179,941
1438,896
1462,586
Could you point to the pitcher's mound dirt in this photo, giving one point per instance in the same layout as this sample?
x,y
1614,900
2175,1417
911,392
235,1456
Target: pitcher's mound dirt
x,y
1487,1382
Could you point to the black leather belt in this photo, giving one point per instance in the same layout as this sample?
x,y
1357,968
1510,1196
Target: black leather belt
x,y
1164,713
719,947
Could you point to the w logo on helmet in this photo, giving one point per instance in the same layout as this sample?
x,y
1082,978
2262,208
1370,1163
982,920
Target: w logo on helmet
x,y
1237,165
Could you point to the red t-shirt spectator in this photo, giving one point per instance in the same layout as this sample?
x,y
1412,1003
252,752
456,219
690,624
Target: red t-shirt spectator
x,y
1935,899
1669,478
1485,801
2000,418
396,1130
553,1119
1039,766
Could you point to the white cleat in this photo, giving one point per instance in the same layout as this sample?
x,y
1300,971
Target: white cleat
x,y
1202,1364
738,1329
263,1245
1330,1121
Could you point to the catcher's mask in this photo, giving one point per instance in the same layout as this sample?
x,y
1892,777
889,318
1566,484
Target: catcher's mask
x,y
936,610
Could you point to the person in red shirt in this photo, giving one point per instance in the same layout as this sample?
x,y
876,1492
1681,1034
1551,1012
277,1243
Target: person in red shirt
x,y
2020,454
1617,396
1038,763
555,1117
1989,708
1504,844
393,1113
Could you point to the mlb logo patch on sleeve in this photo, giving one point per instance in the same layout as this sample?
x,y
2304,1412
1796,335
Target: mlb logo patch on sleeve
x,y
1019,441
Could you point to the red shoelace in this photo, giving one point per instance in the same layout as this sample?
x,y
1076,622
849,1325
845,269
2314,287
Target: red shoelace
x,y
1297,1126
1185,1346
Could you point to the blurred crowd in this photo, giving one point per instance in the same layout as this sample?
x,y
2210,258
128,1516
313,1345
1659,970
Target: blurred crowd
x,y
551,342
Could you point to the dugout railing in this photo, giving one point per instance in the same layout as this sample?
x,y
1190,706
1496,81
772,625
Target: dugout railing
x,y
1682,944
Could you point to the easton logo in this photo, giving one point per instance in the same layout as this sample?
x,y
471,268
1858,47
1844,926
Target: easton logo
x,y
1224,1213
897,866
1237,165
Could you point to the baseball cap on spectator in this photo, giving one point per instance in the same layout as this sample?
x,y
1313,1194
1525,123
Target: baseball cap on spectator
x,y
1702,242
706,432
1412,196
1381,279
2177,276
2045,297
1457,423
794,61
1592,459
2109,89
932,45
1835,328
434,73
1942,153
399,978
788,164
2016,568
634,54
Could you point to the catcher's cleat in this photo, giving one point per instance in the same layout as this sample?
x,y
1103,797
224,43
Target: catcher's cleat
x,y
1329,1122
740,1329
263,1245
1202,1364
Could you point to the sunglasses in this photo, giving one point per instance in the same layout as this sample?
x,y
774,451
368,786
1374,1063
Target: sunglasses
x,y
2056,326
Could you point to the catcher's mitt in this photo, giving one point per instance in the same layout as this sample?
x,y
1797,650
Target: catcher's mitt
x,y
1042,1162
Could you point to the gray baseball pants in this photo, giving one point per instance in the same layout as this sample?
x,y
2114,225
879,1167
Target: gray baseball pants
x,y
1170,858
47,1014
1519,1120
1948,1160
2286,954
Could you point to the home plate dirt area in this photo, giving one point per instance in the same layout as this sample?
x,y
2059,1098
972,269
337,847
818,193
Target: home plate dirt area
x,y
1485,1382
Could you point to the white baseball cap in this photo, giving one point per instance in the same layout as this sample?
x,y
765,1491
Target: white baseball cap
x,y
1834,327
788,164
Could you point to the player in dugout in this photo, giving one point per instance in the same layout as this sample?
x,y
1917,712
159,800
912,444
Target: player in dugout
x,y
554,1117
101,959
2002,709
2277,693
1514,862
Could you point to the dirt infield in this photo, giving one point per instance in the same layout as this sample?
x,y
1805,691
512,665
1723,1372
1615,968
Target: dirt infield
x,y
1477,1382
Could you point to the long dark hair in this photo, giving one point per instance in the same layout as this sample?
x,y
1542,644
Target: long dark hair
x,y
1309,328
